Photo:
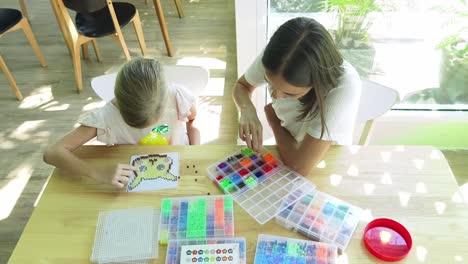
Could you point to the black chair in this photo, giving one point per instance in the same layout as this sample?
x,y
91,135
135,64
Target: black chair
x,y
95,19
11,20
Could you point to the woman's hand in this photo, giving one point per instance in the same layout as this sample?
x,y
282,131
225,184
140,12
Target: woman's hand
x,y
116,175
250,129
271,116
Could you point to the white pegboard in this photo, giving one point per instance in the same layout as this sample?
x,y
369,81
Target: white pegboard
x,y
126,236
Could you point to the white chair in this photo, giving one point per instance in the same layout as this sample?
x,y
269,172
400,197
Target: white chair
x,y
193,78
376,100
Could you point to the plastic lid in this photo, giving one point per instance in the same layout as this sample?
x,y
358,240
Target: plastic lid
x,y
387,239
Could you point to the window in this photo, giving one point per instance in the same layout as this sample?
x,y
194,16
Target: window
x,y
418,47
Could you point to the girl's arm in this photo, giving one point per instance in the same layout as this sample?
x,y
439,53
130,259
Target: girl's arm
x,y
250,128
301,157
192,130
61,156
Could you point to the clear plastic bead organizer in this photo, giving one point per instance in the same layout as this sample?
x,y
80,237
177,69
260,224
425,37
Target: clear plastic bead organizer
x,y
196,217
283,250
174,254
322,217
259,183
126,236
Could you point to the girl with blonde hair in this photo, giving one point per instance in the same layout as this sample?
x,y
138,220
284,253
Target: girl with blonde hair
x,y
143,100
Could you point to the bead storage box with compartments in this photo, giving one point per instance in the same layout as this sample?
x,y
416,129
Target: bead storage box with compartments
x,y
276,249
196,217
259,183
322,217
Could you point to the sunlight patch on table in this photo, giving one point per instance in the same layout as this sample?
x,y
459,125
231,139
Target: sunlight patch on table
x,y
386,178
404,198
440,207
421,253
386,156
353,170
369,188
421,187
418,163
335,179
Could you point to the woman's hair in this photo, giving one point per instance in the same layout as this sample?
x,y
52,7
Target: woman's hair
x,y
305,55
140,91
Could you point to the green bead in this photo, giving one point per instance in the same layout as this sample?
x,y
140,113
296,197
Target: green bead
x,y
225,183
247,152
166,206
293,249
228,202
251,182
230,188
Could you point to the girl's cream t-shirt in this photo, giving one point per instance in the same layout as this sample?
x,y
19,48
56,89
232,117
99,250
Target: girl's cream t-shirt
x,y
340,107
112,129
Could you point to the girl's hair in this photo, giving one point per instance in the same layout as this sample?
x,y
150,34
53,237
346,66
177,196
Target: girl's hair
x,y
305,55
140,91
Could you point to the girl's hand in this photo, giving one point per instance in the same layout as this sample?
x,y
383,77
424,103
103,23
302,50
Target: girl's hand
x,y
271,116
116,175
250,129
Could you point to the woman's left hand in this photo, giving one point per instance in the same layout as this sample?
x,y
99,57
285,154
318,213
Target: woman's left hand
x,y
272,119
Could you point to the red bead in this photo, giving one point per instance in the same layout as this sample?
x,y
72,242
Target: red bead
x,y
243,172
267,168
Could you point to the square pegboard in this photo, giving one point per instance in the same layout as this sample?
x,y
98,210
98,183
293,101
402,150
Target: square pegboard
x,y
127,235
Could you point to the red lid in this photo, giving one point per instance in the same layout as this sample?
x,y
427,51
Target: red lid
x,y
387,239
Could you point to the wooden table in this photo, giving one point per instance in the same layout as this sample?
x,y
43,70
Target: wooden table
x,y
413,185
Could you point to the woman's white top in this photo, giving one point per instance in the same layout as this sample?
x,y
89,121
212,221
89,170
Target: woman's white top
x,y
112,129
340,107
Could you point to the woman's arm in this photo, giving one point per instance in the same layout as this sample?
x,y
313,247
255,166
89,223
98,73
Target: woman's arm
x,y
61,156
301,157
192,130
250,128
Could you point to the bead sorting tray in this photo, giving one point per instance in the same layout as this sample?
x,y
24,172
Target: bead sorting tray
x,y
322,217
279,250
196,217
259,183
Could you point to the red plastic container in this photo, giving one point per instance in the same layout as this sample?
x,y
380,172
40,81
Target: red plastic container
x,y
387,239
